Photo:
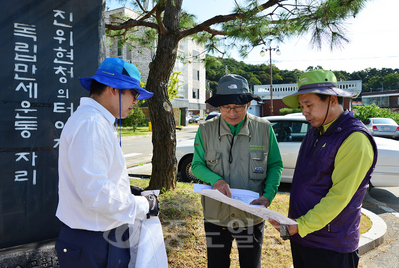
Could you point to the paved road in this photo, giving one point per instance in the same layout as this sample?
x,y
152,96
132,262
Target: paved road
x,y
138,149
385,203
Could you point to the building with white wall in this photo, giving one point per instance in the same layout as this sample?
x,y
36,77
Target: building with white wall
x,y
190,98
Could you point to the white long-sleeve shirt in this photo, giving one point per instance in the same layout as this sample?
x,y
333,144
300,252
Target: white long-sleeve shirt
x,y
94,188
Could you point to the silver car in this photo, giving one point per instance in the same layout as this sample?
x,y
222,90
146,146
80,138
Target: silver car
x,y
290,131
383,127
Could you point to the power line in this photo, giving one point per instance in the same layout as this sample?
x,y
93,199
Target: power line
x,y
313,60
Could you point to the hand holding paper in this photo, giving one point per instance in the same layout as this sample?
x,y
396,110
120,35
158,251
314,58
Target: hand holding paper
x,y
242,199
263,201
292,229
222,187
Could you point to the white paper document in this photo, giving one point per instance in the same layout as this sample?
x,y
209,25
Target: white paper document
x,y
241,199
245,196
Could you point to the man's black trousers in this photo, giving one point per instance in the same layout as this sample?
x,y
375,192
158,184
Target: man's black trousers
x,y
219,241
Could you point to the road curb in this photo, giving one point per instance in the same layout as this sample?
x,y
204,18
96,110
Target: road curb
x,y
141,165
146,169
375,236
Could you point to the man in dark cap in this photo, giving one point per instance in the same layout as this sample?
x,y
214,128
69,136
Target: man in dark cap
x,y
95,201
236,150
334,166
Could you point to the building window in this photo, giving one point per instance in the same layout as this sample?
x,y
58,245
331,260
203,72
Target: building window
x,y
195,93
385,102
196,75
180,91
129,55
180,65
196,65
379,101
120,49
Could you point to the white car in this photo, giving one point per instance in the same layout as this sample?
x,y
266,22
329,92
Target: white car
x,y
290,130
184,156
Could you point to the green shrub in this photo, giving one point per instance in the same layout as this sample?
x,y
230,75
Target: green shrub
x,y
134,118
144,122
284,111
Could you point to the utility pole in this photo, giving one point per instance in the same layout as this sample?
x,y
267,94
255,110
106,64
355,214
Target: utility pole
x,y
263,53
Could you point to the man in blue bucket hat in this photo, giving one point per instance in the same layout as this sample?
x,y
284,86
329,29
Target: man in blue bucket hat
x,y
95,200
334,166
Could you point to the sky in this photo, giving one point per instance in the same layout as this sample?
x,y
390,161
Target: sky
x,y
373,35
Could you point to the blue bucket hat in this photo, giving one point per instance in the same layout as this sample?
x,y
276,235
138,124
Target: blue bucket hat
x,y
119,74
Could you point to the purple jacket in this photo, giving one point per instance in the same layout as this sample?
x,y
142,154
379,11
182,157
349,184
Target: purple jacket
x,y
312,181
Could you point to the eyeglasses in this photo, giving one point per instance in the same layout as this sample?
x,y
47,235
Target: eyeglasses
x,y
237,109
135,94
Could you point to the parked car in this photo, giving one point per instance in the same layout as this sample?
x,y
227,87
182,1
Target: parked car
x,y
194,119
383,127
290,131
211,115
184,156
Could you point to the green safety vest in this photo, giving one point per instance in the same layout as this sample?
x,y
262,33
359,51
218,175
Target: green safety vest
x,y
240,160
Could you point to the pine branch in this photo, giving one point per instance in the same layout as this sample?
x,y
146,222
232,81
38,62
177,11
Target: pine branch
x,y
130,24
205,26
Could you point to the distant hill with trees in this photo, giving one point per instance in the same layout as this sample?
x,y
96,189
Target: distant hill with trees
x,y
373,79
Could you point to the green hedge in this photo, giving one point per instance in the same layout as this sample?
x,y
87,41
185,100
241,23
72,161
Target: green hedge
x,y
284,111
360,112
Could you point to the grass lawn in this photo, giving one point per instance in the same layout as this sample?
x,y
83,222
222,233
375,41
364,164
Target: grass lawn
x,y
182,223
128,131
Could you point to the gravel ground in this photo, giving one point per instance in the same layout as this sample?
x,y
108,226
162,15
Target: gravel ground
x,y
387,254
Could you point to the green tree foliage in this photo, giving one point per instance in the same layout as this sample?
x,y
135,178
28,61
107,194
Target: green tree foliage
x,y
391,81
372,79
255,74
375,83
375,79
311,68
173,85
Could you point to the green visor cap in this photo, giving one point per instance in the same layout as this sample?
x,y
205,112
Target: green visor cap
x,y
318,82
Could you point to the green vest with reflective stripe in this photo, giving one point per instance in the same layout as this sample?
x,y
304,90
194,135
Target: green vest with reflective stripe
x,y
240,160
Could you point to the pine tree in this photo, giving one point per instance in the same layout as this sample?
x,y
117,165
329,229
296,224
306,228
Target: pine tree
x,y
249,25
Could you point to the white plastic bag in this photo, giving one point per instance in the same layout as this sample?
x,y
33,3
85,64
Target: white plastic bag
x,y
147,247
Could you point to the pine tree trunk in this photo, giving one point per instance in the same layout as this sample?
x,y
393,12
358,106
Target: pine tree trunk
x,y
164,166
